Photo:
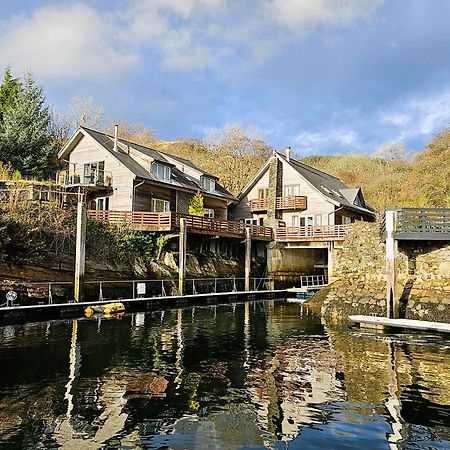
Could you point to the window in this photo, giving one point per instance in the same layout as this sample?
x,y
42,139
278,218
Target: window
x,y
318,220
102,203
208,212
346,220
94,173
306,221
158,205
295,221
358,201
251,221
161,172
263,193
291,190
208,184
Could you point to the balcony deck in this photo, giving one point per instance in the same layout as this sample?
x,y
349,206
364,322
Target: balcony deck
x,y
420,224
170,221
295,202
311,234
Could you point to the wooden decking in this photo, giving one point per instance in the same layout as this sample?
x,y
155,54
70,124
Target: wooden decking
x,y
406,324
294,202
310,234
421,224
170,221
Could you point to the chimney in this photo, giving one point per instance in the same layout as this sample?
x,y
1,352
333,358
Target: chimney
x,y
116,138
288,153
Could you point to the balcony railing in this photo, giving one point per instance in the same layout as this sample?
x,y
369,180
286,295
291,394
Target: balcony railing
x,y
170,221
315,233
99,178
294,202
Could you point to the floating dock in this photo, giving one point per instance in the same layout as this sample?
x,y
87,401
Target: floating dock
x,y
20,314
381,323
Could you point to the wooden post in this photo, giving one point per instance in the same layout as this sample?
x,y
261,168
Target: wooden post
x,y
78,286
330,246
182,256
392,289
248,257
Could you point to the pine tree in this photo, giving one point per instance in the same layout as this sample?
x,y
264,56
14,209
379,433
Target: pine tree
x,y
196,205
9,89
24,139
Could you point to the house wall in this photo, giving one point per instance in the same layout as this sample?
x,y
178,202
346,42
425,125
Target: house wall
x,y
316,202
89,151
145,192
219,206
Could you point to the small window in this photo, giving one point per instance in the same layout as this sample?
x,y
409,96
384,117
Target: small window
x,y
208,184
337,193
158,205
306,221
161,172
291,190
263,193
102,203
208,212
251,221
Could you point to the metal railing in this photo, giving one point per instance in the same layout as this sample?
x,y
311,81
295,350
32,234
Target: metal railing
x,y
62,292
295,202
313,233
313,280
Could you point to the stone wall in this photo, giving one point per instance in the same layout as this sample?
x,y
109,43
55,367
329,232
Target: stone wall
x,y
360,286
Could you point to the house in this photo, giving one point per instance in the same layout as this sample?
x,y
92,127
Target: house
x,y
289,194
309,212
131,177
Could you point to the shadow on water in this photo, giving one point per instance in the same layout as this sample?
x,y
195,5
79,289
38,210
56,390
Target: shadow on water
x,y
266,374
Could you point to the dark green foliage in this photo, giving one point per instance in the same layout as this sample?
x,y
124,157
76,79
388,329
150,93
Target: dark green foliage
x,y
9,90
24,140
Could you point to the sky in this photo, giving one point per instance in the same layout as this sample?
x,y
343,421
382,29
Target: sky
x,y
321,76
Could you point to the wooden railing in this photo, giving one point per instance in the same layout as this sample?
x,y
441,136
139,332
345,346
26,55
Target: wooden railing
x,y
296,202
222,227
316,233
143,220
420,224
169,221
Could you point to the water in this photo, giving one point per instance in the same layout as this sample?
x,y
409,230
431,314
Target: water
x,y
258,375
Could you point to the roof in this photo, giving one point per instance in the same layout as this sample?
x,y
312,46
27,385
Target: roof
x,y
178,180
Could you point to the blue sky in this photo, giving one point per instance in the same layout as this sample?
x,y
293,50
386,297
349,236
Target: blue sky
x,y
323,76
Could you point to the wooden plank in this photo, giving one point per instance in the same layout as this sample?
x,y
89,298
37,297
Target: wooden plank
x,y
408,324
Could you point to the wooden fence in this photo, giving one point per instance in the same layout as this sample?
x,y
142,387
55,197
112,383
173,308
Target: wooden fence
x,y
314,233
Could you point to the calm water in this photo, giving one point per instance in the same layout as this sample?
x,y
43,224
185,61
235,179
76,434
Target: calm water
x,y
259,375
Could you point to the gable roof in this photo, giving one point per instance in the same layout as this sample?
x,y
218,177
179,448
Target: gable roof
x,y
178,180
331,187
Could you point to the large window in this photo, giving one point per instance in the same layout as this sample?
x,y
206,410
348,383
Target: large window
x,y
291,190
158,205
302,221
94,173
208,184
161,171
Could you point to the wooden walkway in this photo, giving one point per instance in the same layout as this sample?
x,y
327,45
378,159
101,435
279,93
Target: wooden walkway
x,y
406,324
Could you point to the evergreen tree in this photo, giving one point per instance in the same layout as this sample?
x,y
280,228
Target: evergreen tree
x,y
196,205
9,90
24,139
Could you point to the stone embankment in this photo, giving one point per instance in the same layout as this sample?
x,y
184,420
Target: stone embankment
x,y
360,286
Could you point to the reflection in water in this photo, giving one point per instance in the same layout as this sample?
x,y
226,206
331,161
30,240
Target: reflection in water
x,y
265,374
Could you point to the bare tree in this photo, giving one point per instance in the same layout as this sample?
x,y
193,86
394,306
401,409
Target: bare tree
x,y
134,132
392,151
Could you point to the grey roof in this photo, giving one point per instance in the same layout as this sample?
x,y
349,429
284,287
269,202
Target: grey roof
x,y
330,186
179,179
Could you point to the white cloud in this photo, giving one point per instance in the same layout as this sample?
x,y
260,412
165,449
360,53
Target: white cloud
x,y
309,142
66,42
302,15
395,118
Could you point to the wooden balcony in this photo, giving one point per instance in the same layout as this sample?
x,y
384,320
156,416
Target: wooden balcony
x,y
294,202
310,234
100,179
420,224
170,221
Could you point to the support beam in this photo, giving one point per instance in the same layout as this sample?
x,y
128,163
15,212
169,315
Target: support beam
x,y
182,256
330,264
80,249
248,258
392,288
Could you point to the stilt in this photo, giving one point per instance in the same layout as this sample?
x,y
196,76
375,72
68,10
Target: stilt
x,y
330,246
78,287
392,288
182,257
248,258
